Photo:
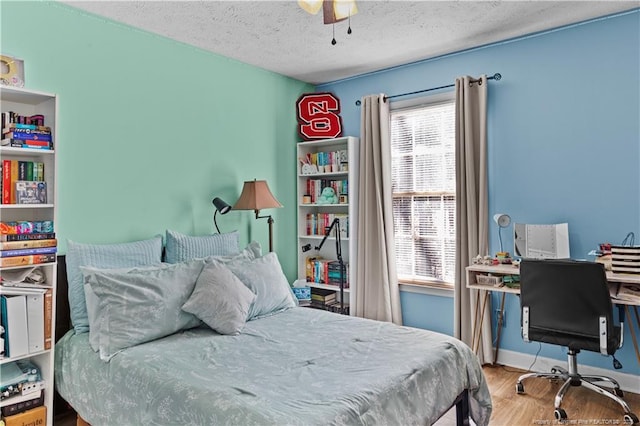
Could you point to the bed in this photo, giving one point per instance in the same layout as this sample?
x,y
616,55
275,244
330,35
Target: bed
x,y
295,366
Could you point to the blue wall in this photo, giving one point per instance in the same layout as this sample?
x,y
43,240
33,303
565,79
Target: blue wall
x,y
564,142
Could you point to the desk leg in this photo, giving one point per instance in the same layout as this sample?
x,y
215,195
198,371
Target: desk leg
x,y
499,325
631,330
478,321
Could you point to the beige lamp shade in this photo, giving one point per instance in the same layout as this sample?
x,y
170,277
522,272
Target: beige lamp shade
x,y
256,195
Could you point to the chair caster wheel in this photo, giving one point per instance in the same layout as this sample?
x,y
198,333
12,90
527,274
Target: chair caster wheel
x,y
618,392
519,388
560,414
631,419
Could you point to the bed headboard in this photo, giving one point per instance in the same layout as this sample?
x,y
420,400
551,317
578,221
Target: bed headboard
x,y
63,316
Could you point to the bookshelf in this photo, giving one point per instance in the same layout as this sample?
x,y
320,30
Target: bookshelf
x,y
328,163
27,102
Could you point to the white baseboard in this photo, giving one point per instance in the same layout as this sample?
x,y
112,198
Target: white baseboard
x,y
628,382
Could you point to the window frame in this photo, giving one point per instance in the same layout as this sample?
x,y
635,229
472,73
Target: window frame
x,y
424,101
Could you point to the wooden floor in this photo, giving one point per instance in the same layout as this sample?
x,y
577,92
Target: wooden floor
x,y
583,407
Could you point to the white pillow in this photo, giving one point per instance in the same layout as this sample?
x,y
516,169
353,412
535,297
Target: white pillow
x,y
143,305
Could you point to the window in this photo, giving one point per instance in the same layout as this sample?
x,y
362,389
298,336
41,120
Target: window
x,y
424,191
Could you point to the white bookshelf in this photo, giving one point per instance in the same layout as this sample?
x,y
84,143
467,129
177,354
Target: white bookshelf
x,y
348,172
29,102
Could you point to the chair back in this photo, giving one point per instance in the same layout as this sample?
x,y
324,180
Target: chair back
x,y
566,301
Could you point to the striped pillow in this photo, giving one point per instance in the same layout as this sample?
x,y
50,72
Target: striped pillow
x,y
180,247
124,255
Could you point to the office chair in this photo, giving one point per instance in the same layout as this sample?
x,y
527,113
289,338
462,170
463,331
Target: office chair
x,y
567,303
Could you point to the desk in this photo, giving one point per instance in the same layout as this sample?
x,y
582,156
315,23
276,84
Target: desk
x,y
502,270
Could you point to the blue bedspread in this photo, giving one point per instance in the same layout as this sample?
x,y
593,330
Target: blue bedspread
x,y
299,367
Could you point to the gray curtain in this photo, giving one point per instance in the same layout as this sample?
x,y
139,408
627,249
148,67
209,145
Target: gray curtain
x,y
472,216
377,293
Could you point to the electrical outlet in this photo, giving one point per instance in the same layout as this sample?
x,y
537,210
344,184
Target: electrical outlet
x,y
500,315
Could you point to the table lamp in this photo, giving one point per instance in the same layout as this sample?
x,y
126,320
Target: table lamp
x,y
256,196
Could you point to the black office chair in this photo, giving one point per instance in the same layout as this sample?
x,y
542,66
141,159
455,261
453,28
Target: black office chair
x,y
567,303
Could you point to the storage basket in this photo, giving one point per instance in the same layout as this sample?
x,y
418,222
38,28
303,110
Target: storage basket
x,y
488,280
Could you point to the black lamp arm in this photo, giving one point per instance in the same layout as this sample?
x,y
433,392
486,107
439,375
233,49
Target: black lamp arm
x,y
336,225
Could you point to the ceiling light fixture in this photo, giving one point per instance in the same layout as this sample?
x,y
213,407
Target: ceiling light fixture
x,y
333,11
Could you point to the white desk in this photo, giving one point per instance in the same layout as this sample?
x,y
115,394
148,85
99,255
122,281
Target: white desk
x,y
502,270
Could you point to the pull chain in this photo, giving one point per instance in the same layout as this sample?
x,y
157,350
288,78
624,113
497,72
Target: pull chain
x,y
333,41
349,29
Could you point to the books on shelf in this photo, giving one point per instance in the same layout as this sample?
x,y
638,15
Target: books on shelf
x,y
325,162
314,188
14,171
325,271
316,223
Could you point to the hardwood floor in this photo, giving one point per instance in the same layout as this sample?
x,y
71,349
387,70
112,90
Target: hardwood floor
x,y
583,407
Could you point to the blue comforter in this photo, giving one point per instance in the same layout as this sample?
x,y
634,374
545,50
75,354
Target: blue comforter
x,y
298,367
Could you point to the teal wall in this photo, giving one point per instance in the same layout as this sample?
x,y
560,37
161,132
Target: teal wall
x,y
150,130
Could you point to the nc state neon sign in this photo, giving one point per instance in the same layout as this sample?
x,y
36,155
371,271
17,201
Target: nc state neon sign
x,y
318,116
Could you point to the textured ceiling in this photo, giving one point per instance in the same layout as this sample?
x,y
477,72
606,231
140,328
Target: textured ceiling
x,y
281,37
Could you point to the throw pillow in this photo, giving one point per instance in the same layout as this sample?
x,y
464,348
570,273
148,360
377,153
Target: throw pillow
x,y
220,299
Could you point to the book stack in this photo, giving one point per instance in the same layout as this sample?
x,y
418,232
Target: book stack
x,y
625,259
27,243
21,393
25,131
321,298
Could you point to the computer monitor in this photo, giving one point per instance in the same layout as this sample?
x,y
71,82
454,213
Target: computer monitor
x,y
541,241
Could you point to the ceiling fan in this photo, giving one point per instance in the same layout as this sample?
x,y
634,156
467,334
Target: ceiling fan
x,y
333,11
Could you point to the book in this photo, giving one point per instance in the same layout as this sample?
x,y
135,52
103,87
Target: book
x,y
20,403
48,318
6,181
30,192
28,251
28,237
25,244
12,126
22,134
27,144
35,416
33,259
14,178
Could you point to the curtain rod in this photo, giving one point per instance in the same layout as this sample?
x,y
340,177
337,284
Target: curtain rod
x,y
496,77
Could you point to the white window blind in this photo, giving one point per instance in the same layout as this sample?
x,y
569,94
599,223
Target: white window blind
x,y
424,187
